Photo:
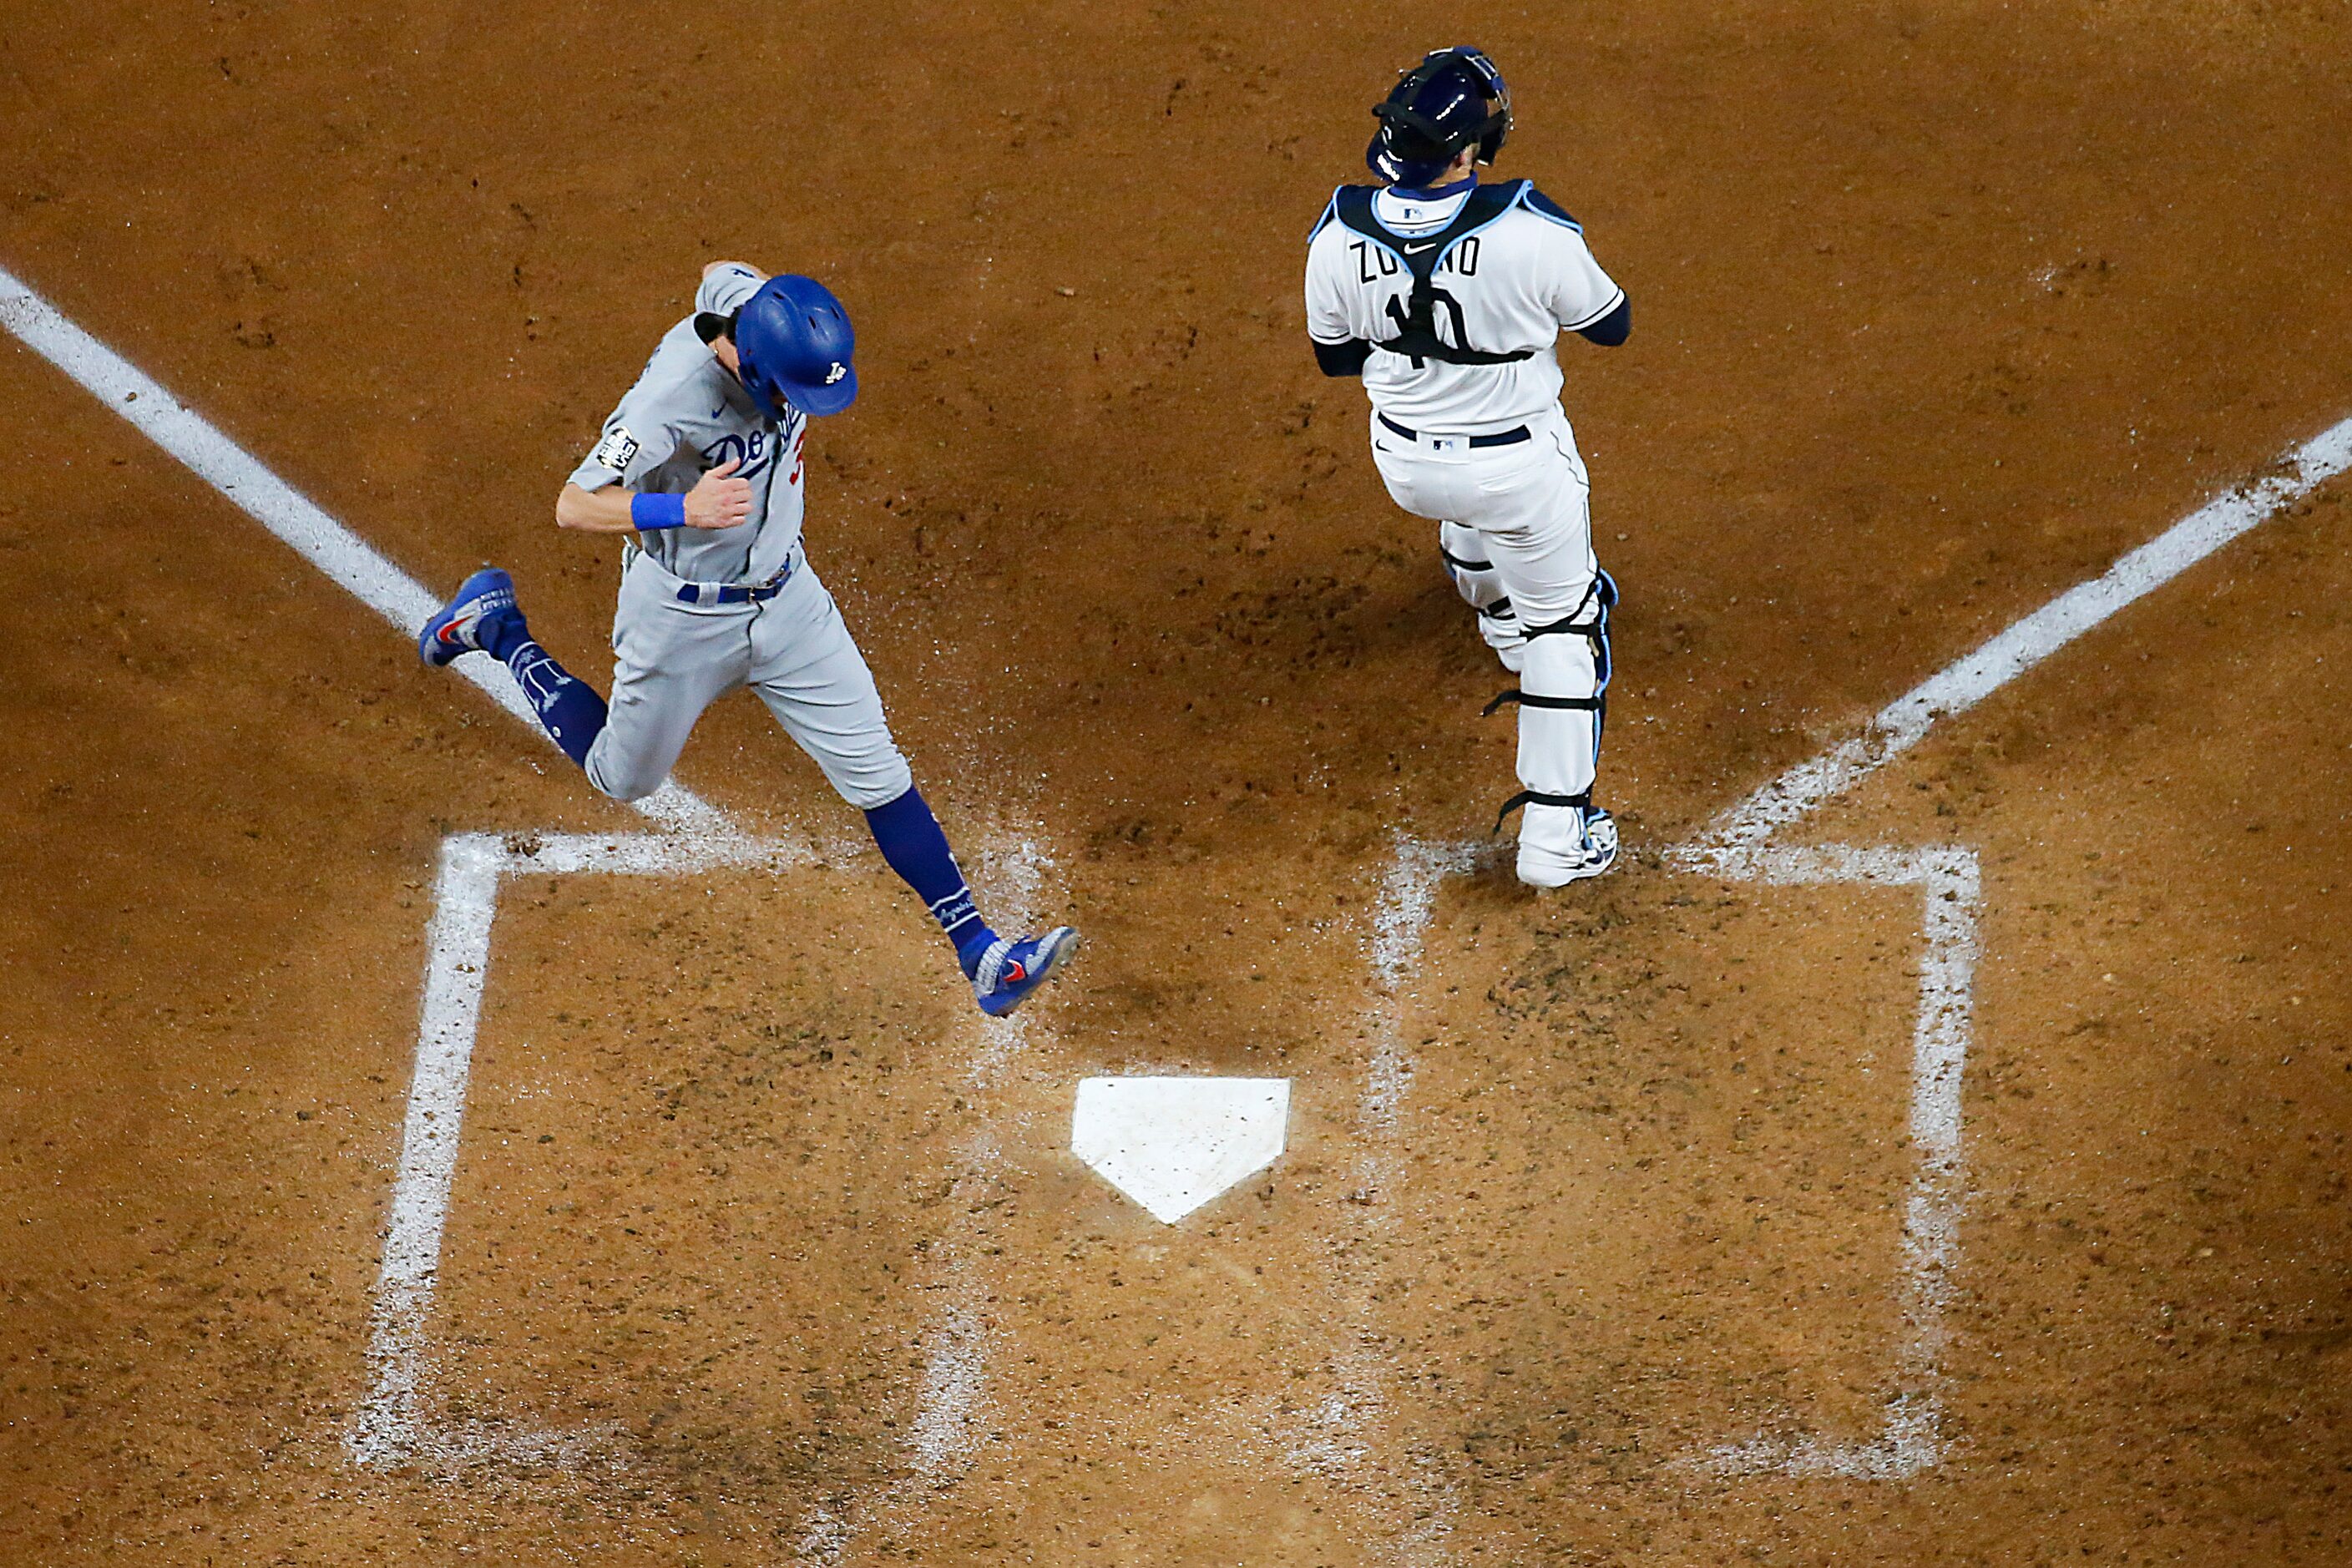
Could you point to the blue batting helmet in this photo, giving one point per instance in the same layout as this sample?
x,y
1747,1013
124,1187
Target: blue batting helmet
x,y
794,344
1452,98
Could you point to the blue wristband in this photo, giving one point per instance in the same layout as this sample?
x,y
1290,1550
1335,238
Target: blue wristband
x,y
651,510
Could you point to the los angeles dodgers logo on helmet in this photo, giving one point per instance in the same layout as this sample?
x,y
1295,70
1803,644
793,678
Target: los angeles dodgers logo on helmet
x,y
795,345
1452,98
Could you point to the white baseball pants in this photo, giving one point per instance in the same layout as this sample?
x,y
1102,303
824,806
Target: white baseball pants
x,y
1516,524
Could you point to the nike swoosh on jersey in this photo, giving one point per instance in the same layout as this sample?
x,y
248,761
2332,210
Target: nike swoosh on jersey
x,y
1417,249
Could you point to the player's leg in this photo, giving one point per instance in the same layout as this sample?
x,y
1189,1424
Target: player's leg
x,y
1533,516
1430,485
807,669
670,661
1527,502
483,617
670,664
1481,587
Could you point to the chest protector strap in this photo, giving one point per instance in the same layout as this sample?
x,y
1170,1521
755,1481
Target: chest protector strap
x,y
1417,337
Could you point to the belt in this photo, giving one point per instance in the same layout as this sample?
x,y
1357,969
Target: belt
x,y
1500,439
758,592
734,592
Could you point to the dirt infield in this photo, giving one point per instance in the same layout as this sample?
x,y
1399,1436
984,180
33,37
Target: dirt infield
x,y
1589,1246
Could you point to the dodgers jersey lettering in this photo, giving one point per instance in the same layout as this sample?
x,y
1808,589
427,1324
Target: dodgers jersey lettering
x,y
684,416
1519,282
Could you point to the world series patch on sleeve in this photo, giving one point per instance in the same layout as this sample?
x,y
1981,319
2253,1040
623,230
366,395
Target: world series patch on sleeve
x,y
615,450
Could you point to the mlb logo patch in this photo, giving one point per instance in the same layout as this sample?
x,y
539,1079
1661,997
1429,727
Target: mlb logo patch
x,y
615,450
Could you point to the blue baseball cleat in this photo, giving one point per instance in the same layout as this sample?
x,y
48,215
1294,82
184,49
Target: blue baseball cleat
x,y
457,628
1010,970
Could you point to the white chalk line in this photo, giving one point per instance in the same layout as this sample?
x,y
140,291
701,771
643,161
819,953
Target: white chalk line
x,y
1969,679
1734,845
1339,1438
699,837
952,1398
1739,846
391,1425
394,1423
1910,1439
346,559
1408,1523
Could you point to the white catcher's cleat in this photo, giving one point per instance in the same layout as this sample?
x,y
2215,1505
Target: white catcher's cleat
x,y
1564,844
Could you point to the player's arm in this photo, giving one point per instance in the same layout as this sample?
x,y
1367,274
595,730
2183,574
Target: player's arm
x,y
1613,328
1587,303
606,494
718,499
1584,300
1337,352
1342,359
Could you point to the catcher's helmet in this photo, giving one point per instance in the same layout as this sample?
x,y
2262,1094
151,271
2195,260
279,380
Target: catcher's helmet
x,y
793,341
1452,98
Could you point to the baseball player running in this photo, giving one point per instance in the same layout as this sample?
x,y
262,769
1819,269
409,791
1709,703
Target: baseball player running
x,y
701,466
1448,298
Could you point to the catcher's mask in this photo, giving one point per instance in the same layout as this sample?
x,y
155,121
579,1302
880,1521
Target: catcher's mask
x,y
1452,98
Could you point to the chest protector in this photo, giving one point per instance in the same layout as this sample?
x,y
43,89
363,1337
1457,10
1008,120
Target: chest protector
x,y
1415,317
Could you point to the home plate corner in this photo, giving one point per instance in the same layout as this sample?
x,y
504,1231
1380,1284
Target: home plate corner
x,y
1175,1144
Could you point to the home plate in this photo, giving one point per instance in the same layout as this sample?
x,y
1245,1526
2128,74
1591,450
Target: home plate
x,y
1173,1144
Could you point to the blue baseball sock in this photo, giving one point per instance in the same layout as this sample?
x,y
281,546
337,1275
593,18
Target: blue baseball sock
x,y
909,838
570,709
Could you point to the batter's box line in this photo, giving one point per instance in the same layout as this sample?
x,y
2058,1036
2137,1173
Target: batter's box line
x,y
1331,1439
1739,845
1951,886
1736,847
391,1425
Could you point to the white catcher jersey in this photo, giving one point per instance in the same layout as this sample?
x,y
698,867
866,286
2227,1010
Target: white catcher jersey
x,y
1520,281
684,416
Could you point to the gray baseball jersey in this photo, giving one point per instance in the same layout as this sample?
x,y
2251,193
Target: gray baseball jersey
x,y
685,416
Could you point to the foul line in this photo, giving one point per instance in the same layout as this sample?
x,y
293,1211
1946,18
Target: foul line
x,y
1738,845
1969,681
391,1424
394,1424
346,558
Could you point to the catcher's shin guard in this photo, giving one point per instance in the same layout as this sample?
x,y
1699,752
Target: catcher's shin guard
x,y
1481,587
1562,699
